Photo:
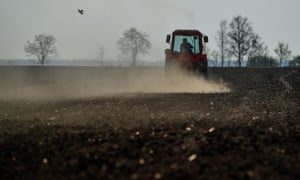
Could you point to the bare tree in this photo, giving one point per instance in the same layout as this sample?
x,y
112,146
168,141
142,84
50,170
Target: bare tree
x,y
42,47
133,43
101,55
207,50
242,39
222,41
295,62
258,48
282,52
215,55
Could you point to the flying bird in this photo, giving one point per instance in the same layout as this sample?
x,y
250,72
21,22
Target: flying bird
x,y
80,11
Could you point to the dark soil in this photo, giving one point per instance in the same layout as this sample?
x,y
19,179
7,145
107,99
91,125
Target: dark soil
x,y
253,132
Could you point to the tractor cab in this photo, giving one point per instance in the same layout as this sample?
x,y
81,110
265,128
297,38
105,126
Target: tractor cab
x,y
186,50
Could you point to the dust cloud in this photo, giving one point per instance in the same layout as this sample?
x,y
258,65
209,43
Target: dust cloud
x,y
83,82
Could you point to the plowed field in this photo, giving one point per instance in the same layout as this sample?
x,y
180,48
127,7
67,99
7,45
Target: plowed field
x,y
123,123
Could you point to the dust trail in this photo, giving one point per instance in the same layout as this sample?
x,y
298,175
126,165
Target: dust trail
x,y
80,82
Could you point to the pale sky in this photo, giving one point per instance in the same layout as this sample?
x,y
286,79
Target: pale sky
x,y
104,22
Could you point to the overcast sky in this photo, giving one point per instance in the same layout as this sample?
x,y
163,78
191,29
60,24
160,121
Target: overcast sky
x,y
104,22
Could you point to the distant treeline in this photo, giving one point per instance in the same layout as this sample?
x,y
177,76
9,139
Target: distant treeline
x,y
268,61
76,62
258,61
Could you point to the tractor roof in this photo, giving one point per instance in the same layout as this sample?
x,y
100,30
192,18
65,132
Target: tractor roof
x,y
187,32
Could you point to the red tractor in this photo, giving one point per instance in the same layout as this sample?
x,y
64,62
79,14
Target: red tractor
x,y
186,51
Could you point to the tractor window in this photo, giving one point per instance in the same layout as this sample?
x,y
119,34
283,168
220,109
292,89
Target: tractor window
x,y
193,40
